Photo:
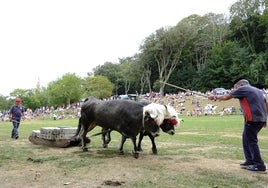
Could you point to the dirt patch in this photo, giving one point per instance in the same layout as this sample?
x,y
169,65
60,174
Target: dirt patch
x,y
69,167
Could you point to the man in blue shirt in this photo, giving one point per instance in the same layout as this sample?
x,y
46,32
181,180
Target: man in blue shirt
x,y
254,106
15,115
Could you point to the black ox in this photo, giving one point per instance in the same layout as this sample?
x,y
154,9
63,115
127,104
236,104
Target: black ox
x,y
168,126
124,116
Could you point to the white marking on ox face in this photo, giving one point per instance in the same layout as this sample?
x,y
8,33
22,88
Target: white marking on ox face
x,y
171,132
155,134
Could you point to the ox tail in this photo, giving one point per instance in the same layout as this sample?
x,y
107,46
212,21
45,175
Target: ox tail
x,y
78,128
143,116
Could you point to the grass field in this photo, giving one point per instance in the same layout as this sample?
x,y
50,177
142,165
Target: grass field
x,y
204,152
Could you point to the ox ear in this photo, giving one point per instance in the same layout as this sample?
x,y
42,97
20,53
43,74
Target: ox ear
x,y
155,113
149,119
151,112
171,113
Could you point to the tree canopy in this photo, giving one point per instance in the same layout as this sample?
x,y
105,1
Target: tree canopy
x,y
199,52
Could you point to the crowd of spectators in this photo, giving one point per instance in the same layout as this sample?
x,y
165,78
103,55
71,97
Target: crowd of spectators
x,y
187,103
44,113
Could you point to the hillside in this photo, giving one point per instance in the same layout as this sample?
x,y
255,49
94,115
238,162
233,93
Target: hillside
x,y
196,105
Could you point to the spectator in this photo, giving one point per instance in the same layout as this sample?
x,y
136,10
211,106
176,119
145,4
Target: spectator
x,y
15,115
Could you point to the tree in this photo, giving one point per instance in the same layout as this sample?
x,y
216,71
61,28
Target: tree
x,y
98,86
109,70
112,72
264,23
4,104
244,9
258,70
245,24
28,97
166,46
226,62
145,64
65,90
208,30
128,73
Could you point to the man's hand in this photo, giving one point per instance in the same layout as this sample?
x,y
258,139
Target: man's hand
x,y
212,97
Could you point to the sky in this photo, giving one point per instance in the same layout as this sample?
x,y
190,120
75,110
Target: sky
x,y
41,40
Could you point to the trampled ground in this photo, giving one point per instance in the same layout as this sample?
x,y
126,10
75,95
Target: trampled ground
x,y
187,159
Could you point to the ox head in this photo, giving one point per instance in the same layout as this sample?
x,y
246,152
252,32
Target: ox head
x,y
164,116
159,112
168,127
150,125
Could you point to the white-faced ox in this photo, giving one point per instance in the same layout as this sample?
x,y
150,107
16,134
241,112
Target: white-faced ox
x,y
124,116
168,125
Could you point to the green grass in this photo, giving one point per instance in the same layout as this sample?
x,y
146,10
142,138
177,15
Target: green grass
x,y
204,152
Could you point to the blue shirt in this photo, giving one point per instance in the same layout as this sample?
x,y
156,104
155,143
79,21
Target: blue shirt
x,y
252,102
16,111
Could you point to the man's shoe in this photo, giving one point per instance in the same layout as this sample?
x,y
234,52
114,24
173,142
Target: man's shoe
x,y
255,168
245,164
16,137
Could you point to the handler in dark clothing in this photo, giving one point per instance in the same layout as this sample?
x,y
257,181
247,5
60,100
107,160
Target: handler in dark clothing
x,y
254,107
15,114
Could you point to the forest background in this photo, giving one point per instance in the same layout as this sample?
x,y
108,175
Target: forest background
x,y
200,53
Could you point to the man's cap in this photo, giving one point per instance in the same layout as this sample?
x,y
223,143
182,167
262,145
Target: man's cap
x,y
238,79
18,99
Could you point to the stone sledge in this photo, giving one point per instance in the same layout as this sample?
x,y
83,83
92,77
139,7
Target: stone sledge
x,y
56,137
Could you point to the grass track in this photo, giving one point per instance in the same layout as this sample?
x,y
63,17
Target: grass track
x,y
204,152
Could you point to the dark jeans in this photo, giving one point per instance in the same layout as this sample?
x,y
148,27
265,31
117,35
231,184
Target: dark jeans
x,y
15,131
250,143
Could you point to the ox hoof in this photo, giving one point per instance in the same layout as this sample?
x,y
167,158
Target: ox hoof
x,y
154,151
135,155
120,152
85,149
88,140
